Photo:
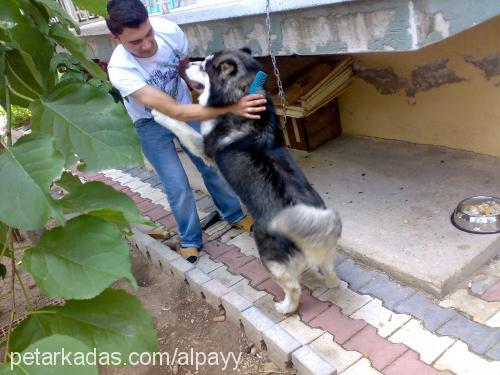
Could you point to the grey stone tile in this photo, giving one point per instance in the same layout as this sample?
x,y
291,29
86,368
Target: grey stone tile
x,y
479,338
433,316
390,292
354,275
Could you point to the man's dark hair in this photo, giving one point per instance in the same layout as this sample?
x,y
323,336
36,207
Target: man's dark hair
x,y
125,13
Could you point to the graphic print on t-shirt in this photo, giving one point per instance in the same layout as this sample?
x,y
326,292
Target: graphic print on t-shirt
x,y
166,77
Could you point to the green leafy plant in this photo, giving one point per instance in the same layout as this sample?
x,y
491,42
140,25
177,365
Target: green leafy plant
x,y
20,116
75,122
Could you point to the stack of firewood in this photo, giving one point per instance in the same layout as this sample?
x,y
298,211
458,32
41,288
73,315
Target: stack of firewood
x,y
314,87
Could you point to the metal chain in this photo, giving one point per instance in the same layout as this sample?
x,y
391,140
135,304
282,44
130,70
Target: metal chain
x,y
275,65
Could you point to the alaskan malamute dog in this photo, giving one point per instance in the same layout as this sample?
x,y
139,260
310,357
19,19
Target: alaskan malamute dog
x,y
293,228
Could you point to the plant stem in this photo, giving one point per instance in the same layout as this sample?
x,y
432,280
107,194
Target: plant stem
x,y
46,312
13,294
25,291
9,112
10,235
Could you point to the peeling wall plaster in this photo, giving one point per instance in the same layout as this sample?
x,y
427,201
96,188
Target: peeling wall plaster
x,y
490,65
423,78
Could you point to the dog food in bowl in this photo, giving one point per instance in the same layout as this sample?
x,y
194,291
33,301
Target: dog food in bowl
x,y
485,209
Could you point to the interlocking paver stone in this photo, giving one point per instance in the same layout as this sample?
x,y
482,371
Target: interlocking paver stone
x,y
334,353
480,338
213,291
421,307
234,259
481,283
380,351
428,345
234,304
255,272
300,330
255,322
493,293
216,248
272,287
345,298
196,278
307,362
267,305
280,345
390,292
460,360
245,290
409,364
340,326
310,307
362,367
206,264
354,275
179,267
225,277
478,309
384,320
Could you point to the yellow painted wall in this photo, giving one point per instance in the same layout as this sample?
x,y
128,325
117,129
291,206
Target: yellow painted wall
x,y
463,115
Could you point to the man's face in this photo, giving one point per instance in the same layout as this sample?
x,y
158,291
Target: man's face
x,y
139,42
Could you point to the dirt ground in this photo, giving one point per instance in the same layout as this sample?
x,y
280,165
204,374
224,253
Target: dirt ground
x,y
185,322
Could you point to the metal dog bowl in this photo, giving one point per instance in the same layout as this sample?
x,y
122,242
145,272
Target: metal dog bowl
x,y
478,214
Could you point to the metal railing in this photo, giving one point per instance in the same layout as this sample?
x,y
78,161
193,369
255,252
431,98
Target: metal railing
x,y
153,7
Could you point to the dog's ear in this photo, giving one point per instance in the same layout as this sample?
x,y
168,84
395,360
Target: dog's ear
x,y
246,50
228,67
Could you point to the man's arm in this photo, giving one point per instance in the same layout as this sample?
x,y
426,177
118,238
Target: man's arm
x,y
151,97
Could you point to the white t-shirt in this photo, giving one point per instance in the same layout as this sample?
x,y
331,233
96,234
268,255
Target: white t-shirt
x,y
129,73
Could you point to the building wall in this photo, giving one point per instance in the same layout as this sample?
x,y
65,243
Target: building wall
x,y
445,94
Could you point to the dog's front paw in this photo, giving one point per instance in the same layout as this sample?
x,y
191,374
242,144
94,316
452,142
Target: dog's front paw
x,y
285,307
332,282
163,120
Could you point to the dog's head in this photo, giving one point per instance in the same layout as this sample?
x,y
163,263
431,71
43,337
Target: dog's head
x,y
224,77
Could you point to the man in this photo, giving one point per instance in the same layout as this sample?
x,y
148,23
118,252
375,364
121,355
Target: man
x,y
147,67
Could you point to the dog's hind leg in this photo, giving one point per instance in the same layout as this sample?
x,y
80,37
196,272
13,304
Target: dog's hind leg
x,y
189,137
292,290
328,270
286,275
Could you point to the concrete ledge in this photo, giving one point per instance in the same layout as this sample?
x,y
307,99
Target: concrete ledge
x,y
234,305
280,346
307,362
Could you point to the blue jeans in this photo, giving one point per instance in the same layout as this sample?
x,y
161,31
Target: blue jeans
x,y
158,147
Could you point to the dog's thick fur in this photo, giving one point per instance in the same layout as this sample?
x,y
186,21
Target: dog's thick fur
x,y
293,228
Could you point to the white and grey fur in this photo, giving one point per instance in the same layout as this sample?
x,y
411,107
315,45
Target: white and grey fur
x,y
293,228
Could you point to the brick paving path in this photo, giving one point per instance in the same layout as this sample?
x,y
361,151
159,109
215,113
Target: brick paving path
x,y
369,325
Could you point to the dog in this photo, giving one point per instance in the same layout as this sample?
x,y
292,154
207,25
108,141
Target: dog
x,y
293,228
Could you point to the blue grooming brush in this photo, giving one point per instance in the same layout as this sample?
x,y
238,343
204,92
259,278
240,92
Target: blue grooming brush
x,y
258,82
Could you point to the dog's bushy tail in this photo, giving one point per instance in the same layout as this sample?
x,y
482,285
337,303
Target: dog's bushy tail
x,y
309,227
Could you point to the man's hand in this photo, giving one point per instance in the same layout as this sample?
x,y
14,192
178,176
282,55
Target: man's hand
x,y
249,106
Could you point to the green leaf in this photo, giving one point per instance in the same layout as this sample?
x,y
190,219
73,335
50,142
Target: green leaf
x,y
80,259
98,199
114,321
55,10
68,181
3,271
87,122
35,50
36,15
10,14
94,6
24,88
45,357
27,170
77,48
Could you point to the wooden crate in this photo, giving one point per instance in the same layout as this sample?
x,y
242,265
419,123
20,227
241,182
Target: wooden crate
x,y
309,132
